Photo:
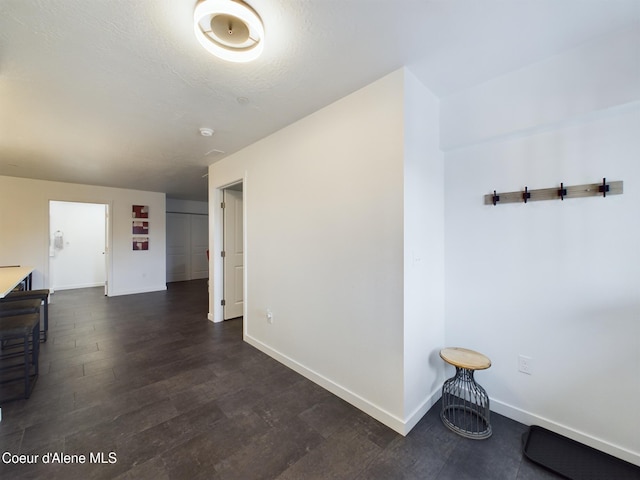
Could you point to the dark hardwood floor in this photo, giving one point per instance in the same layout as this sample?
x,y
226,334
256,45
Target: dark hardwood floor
x,y
174,396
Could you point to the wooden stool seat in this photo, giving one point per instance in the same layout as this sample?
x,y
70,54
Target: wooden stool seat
x,y
19,307
18,325
465,358
26,294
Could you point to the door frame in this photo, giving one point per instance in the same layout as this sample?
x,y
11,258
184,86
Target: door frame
x,y
216,245
229,291
108,228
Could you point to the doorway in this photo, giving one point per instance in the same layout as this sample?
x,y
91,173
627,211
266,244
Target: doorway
x,y
233,251
78,245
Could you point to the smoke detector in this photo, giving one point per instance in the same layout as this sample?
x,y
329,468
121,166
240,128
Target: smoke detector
x,y
206,132
229,29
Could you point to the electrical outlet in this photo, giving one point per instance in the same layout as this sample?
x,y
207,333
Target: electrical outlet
x,y
525,364
269,317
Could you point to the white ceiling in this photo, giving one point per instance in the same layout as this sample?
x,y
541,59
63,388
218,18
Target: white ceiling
x,y
113,92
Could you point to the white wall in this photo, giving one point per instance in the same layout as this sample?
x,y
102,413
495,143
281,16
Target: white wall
x,y
24,230
79,261
597,76
555,281
423,251
324,246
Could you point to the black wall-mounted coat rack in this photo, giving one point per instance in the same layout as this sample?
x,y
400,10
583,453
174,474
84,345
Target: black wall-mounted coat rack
x,y
602,189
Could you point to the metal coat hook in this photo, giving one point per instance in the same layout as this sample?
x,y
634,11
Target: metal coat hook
x,y
496,198
562,192
604,188
526,195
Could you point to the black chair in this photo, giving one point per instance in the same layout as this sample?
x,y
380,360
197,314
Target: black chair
x,y
20,327
41,295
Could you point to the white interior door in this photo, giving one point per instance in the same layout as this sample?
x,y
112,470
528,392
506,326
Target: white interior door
x,y
199,245
178,243
233,254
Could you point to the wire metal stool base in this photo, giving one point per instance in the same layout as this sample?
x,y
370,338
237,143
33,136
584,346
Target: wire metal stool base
x,y
465,406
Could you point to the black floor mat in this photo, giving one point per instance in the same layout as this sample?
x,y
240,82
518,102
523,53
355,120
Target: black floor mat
x,y
574,460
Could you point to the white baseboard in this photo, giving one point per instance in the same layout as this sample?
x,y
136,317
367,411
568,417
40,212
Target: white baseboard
x,y
419,412
118,293
347,395
529,418
79,285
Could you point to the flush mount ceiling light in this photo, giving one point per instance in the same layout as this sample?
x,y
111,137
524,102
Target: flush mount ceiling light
x,y
229,29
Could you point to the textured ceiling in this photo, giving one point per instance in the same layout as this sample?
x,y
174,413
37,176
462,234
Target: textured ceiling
x,y
113,92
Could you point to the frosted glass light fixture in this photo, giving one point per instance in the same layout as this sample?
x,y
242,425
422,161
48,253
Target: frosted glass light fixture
x,y
229,29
